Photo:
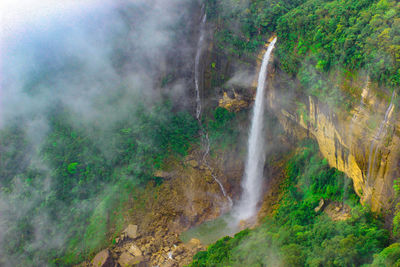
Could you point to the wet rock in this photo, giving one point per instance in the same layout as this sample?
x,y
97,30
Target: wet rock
x,y
126,259
131,231
103,259
233,102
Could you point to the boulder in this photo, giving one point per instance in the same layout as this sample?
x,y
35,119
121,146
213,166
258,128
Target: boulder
x,y
103,259
131,231
337,211
193,163
193,243
162,174
134,250
126,259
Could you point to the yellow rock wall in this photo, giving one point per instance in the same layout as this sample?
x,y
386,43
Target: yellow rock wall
x,y
360,142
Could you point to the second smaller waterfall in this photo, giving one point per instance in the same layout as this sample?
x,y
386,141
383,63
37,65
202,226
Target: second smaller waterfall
x,y
204,134
197,64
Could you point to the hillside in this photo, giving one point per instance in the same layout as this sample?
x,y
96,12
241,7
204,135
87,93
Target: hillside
x,y
201,133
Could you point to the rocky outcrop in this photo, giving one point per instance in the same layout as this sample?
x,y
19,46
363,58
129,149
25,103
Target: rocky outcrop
x,y
233,103
188,196
363,142
338,211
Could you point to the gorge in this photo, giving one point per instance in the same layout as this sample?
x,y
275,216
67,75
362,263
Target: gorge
x,y
200,133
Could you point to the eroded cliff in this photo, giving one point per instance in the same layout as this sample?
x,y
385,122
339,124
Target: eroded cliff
x,y
362,141
360,138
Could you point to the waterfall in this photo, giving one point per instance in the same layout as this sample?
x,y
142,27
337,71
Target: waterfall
x,y
204,134
199,51
373,150
252,182
221,186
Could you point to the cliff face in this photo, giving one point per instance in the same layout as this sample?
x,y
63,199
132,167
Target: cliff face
x,y
363,142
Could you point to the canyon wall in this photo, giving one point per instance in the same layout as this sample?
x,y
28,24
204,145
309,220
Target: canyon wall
x,y
363,141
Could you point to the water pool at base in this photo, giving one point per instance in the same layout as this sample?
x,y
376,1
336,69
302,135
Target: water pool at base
x,y
210,231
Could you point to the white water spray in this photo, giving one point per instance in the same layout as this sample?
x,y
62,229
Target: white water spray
x,y
252,183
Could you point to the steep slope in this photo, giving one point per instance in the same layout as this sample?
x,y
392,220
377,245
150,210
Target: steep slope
x,y
363,141
331,80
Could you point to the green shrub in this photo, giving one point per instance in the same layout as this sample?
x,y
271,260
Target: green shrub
x,y
296,235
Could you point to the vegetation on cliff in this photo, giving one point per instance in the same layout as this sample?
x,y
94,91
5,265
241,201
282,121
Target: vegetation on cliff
x,y
82,171
298,235
65,180
353,35
319,42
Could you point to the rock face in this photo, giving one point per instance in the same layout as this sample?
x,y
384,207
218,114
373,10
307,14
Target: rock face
x,y
234,103
363,142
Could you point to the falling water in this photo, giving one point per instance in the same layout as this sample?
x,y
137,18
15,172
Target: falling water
x,y
374,149
252,183
221,186
206,152
204,134
197,64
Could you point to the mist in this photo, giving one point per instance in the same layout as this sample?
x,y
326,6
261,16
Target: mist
x,y
71,75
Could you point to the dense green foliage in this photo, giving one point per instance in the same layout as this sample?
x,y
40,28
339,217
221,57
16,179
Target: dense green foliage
x,y
222,128
242,25
296,235
320,43
342,33
390,256
89,175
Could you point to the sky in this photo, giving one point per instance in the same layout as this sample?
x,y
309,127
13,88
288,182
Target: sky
x,y
16,16
19,18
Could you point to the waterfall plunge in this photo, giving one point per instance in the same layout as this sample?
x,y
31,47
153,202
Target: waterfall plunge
x,y
252,182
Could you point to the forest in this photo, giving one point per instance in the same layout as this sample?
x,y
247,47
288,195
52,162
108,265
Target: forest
x,y
98,113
